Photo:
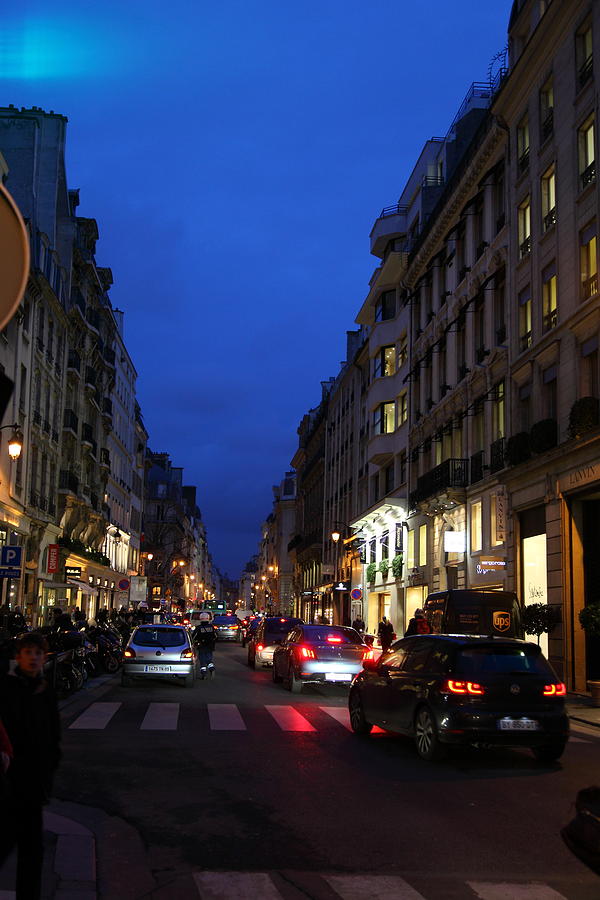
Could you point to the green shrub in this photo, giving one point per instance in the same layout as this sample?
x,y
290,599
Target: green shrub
x,y
397,564
371,570
589,619
384,566
540,618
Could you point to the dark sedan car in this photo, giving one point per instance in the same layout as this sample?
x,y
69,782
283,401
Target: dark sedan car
x,y
452,689
226,627
319,654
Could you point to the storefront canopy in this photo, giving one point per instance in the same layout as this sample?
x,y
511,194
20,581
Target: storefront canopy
x,y
83,586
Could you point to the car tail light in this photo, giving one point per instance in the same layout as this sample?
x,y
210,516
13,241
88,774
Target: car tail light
x,y
463,687
260,646
187,654
368,654
307,653
129,653
331,639
555,690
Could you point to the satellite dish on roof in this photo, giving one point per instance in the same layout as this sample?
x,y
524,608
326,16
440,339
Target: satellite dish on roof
x,y
14,257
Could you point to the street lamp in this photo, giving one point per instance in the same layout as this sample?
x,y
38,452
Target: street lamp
x,y
15,441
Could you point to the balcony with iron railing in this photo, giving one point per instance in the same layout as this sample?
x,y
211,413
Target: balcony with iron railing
x,y
390,222
68,482
589,286
109,356
105,458
497,455
71,422
477,466
588,176
91,377
525,247
550,218
74,362
550,320
450,475
548,125
523,162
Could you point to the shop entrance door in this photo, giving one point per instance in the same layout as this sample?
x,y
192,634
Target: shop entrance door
x,y
591,572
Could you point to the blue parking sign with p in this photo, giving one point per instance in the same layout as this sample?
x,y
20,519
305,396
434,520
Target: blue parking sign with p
x,y
10,561
11,557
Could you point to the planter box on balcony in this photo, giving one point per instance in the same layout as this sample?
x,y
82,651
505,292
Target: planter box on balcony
x,y
583,416
518,449
543,435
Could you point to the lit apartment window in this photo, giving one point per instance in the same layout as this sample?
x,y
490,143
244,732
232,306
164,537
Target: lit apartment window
x,y
498,411
588,261
548,199
584,55
410,549
403,408
525,332
587,153
549,303
476,526
402,350
547,110
373,550
495,538
523,145
524,221
383,418
385,307
384,363
423,545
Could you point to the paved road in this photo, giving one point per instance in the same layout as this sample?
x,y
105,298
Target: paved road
x,y
238,775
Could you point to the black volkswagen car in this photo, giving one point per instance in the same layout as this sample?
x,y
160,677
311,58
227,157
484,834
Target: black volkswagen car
x,y
463,689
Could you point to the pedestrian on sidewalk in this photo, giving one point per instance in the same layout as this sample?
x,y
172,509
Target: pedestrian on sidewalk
x,y
385,633
29,712
418,624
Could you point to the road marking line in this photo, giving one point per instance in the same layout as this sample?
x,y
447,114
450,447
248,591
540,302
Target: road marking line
x,y
96,716
590,731
508,891
161,717
339,713
225,885
289,719
372,887
225,717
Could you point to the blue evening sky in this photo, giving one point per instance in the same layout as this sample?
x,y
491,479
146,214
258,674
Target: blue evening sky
x,y
235,155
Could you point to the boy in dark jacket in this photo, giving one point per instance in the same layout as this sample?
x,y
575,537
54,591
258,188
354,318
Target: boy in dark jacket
x,y
29,713
205,639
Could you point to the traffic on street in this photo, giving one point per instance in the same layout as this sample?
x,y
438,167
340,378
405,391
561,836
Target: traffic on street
x,y
236,776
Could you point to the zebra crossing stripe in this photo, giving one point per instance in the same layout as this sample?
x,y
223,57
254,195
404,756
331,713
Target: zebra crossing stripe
x,y
289,719
225,885
339,713
161,717
96,717
225,717
505,891
372,887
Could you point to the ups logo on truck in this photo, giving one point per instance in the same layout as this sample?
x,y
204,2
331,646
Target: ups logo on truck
x,y
501,620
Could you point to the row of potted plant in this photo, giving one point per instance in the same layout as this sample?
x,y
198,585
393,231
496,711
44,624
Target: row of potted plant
x,y
384,567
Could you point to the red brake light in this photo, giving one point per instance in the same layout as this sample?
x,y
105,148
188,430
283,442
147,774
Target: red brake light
x,y
331,639
186,654
307,653
260,647
368,654
129,653
463,687
555,690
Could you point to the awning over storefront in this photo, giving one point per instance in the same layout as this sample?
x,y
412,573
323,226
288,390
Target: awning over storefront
x,y
82,586
46,583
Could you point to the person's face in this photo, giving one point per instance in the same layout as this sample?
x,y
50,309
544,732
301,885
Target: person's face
x,y
30,660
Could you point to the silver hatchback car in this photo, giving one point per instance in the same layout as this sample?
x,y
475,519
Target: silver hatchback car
x,y
159,651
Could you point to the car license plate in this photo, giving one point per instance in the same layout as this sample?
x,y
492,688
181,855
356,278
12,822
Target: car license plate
x,y
508,724
157,668
338,676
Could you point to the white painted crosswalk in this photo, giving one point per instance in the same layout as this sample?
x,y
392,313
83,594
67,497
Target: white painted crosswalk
x,y
230,717
251,885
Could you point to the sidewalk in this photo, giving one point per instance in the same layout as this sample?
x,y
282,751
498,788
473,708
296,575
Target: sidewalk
x,y
580,709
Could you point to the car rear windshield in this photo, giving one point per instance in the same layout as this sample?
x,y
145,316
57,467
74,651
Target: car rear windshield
x,y
160,637
475,661
278,627
332,635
